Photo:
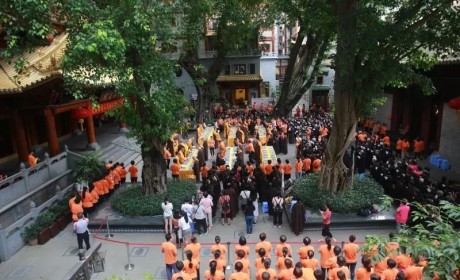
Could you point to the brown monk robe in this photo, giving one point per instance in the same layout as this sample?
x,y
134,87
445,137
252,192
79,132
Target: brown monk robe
x,y
298,218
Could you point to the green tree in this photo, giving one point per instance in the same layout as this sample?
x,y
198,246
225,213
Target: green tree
x,y
121,43
381,43
308,50
236,30
433,237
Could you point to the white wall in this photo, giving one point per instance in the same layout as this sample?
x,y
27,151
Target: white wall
x,y
383,113
185,83
267,72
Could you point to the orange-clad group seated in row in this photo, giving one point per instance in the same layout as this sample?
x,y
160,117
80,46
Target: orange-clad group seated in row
x,y
89,196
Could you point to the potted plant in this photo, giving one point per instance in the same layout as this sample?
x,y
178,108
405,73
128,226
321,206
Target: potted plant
x,y
44,220
30,233
62,214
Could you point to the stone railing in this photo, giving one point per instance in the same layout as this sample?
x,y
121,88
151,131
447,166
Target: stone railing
x,y
26,194
16,218
29,179
84,270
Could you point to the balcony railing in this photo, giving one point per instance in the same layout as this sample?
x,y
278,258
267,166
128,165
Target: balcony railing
x,y
237,53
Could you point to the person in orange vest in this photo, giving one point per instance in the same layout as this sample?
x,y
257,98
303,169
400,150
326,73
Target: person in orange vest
x,y
419,147
405,148
122,173
175,167
287,168
133,172
167,155
32,159
77,207
316,165
94,195
204,170
306,166
268,168
298,168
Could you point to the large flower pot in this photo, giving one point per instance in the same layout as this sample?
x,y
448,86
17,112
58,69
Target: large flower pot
x,y
63,221
54,229
32,242
44,236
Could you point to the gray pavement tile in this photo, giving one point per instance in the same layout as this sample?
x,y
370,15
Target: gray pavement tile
x,y
72,251
19,272
160,273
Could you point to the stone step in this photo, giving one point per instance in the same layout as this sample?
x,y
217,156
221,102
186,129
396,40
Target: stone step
x,y
114,154
133,156
125,156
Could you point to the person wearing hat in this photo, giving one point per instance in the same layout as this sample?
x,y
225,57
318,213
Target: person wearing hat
x,y
402,215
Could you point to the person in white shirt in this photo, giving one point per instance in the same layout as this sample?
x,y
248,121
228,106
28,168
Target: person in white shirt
x,y
278,202
206,203
200,220
187,209
80,227
167,214
185,229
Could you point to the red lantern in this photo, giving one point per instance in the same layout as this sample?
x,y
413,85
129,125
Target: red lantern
x,y
454,103
81,113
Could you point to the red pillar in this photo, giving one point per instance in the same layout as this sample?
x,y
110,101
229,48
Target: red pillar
x,y
22,148
92,144
53,143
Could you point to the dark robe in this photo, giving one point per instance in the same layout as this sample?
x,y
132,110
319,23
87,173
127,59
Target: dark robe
x,y
283,145
276,145
201,157
257,150
298,218
196,170
233,201
205,149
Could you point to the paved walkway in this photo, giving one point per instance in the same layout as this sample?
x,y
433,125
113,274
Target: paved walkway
x,y
53,260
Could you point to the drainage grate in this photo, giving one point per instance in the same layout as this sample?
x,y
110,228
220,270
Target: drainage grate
x,y
139,251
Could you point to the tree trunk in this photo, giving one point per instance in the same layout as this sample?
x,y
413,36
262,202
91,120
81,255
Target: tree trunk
x,y
334,173
280,107
154,170
302,66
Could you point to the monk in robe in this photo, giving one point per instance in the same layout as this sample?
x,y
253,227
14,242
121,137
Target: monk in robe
x,y
298,218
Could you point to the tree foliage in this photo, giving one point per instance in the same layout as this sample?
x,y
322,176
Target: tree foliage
x,y
381,43
432,237
308,50
237,24
117,44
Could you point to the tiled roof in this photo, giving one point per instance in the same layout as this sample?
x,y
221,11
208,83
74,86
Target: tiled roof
x,y
42,64
239,78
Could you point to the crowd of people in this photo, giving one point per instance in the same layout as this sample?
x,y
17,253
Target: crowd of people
x,y
248,183
333,262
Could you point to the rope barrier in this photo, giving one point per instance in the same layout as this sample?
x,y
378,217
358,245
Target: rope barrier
x,y
143,244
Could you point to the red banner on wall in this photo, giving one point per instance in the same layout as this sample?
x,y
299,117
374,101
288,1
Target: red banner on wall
x,y
107,106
